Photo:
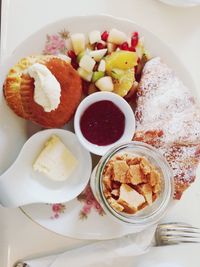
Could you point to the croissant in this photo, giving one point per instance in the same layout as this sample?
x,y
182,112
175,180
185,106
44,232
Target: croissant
x,y
168,118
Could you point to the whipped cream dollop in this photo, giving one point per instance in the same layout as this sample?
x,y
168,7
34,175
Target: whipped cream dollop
x,y
47,91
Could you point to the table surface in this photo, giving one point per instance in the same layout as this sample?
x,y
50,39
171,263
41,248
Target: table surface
x,y
178,27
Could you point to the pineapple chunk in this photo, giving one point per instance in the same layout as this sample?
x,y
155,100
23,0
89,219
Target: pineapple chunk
x,y
123,84
78,42
117,73
121,59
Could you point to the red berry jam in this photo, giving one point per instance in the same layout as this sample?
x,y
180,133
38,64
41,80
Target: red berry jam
x,y
102,123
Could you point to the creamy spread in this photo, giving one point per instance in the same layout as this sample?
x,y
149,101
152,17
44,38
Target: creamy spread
x,y
47,89
55,160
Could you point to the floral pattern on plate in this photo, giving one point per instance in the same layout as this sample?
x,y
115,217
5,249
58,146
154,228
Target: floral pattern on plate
x,y
89,203
57,209
55,44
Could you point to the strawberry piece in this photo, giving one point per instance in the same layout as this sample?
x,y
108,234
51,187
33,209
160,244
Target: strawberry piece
x,y
74,64
132,49
71,54
73,57
134,39
124,46
99,46
104,36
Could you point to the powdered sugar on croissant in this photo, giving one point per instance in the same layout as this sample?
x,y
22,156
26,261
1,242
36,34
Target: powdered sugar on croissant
x,y
168,118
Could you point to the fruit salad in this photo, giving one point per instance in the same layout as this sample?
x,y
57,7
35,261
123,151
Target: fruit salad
x,y
108,61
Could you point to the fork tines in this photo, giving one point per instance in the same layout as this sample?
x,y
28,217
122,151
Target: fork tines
x,y
174,233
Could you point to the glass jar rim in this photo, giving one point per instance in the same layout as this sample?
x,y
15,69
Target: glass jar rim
x,y
167,177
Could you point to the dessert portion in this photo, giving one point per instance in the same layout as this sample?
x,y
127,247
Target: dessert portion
x,y
168,117
12,84
43,89
102,123
106,61
55,160
131,183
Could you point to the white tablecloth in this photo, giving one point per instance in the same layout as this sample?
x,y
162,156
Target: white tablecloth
x,y
180,28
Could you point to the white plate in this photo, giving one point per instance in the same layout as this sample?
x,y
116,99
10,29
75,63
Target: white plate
x,y
70,219
181,3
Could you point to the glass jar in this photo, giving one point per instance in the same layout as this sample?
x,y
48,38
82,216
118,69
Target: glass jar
x,y
150,214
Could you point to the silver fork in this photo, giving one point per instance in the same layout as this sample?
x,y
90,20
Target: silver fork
x,y
175,233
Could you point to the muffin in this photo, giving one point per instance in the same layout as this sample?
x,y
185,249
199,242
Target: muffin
x,y
20,90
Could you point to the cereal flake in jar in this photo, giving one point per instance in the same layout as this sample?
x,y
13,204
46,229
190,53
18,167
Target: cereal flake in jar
x,y
131,182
